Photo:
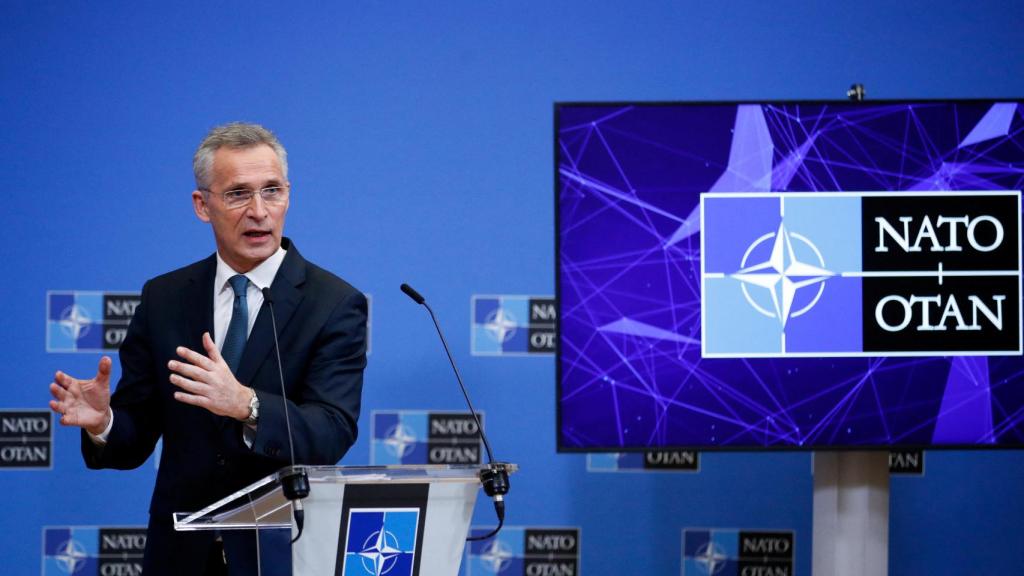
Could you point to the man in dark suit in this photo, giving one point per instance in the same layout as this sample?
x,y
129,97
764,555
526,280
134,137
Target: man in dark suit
x,y
198,363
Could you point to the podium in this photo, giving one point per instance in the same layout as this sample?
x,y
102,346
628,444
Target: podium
x,y
380,519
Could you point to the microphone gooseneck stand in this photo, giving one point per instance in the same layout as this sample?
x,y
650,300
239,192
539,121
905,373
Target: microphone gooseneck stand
x,y
494,478
294,483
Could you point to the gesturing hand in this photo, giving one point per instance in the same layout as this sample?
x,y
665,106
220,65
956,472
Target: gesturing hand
x,y
83,403
208,382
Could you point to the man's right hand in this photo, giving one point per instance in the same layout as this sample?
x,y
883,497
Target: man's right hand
x,y
83,403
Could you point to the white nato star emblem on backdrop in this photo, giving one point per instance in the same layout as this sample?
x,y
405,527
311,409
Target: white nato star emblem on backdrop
x,y
74,321
496,556
71,556
400,440
379,552
711,558
501,325
782,275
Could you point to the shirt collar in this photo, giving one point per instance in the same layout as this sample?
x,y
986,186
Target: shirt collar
x,y
261,276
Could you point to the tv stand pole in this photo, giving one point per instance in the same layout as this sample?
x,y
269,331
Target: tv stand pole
x,y
851,514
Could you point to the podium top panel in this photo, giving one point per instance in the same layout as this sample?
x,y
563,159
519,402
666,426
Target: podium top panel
x,y
262,503
390,474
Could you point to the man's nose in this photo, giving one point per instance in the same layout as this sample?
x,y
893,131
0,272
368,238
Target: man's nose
x,y
257,207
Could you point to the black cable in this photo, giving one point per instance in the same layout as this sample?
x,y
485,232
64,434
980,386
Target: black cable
x,y
499,510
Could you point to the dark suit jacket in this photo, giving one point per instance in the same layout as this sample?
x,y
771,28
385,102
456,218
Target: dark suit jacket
x,y
321,322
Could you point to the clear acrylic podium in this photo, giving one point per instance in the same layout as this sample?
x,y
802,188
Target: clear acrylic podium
x,y
423,514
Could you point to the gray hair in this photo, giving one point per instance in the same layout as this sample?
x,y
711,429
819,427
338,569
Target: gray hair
x,y
233,135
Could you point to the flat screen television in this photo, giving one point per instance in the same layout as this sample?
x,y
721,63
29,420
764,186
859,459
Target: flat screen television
x,y
789,275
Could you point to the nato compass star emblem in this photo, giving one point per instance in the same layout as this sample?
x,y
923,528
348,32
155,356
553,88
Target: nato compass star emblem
x,y
379,552
501,325
75,321
496,556
71,556
400,440
782,275
711,558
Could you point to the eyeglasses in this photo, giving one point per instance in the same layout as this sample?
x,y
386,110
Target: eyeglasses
x,y
241,197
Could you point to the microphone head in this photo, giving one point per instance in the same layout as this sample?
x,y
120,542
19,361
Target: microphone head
x,y
266,295
411,293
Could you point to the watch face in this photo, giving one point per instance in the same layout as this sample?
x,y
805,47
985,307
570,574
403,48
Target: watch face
x,y
254,409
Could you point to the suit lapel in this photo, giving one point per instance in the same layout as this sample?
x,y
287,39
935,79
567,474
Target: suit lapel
x,y
198,304
287,293
197,307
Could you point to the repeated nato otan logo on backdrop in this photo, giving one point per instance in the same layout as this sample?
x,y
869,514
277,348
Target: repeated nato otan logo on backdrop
x,y
732,552
88,321
512,325
26,439
861,274
906,463
421,437
92,321
525,551
93,551
651,461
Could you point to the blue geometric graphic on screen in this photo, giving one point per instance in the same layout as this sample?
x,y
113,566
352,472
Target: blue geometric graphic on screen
x,y
995,124
730,226
831,225
750,157
399,438
74,321
635,328
70,551
629,184
965,415
381,541
789,166
502,554
773,259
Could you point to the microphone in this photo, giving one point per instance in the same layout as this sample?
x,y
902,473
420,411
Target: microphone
x,y
495,477
416,296
295,483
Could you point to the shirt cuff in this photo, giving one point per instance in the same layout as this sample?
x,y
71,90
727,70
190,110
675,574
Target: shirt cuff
x,y
101,438
248,434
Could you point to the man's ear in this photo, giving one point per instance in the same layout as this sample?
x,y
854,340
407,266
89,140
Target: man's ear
x,y
199,205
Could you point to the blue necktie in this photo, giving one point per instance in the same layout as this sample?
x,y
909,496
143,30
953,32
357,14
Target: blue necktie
x,y
234,341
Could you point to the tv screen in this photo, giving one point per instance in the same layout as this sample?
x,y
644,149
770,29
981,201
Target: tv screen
x,y
789,275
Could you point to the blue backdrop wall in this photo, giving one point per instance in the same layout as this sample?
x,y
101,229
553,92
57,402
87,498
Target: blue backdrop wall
x,y
420,139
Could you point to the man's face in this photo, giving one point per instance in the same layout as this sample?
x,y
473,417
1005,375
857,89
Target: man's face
x,y
249,234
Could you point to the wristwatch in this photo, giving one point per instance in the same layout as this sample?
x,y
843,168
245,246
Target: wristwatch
x,y
254,409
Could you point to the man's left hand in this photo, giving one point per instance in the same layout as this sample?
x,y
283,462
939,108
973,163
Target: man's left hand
x,y
208,382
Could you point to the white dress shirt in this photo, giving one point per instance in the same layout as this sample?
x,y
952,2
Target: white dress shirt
x,y
260,277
